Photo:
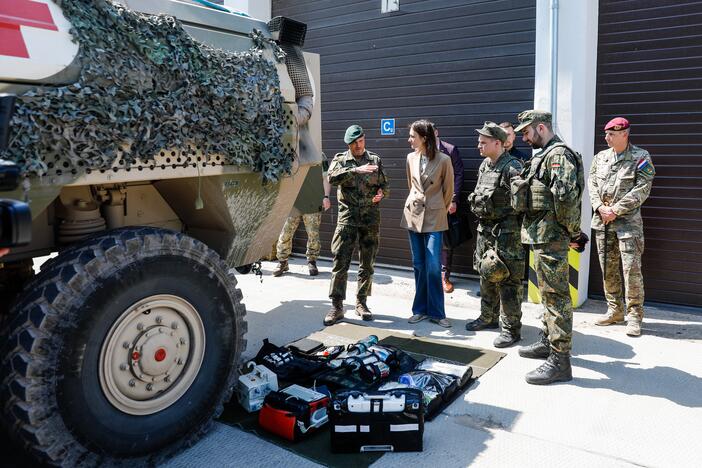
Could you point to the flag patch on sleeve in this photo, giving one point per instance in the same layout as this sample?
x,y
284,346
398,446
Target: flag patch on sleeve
x,y
645,166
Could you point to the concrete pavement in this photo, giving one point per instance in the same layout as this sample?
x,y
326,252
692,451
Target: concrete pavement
x,y
632,402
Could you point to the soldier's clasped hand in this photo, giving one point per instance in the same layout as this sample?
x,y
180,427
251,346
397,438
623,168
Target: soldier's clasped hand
x,y
608,215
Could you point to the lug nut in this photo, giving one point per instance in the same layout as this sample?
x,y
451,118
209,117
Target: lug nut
x,y
174,325
158,319
180,362
182,340
132,383
125,345
140,326
122,367
149,387
167,378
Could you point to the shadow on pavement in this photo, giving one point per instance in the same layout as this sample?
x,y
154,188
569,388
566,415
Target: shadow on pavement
x,y
677,331
352,278
661,381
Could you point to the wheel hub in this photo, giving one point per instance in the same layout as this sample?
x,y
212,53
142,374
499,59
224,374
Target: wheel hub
x,y
152,354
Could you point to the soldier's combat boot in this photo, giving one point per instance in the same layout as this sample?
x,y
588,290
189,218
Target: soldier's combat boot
x,y
336,313
281,268
481,324
362,309
506,338
539,350
609,319
633,326
312,267
555,369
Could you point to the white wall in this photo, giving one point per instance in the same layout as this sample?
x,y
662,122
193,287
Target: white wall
x,y
259,9
576,85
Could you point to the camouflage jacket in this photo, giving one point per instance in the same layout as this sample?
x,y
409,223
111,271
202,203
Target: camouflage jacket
x,y
623,183
356,191
490,201
555,193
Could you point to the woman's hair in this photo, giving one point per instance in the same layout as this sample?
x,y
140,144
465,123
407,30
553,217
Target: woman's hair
x,y
425,129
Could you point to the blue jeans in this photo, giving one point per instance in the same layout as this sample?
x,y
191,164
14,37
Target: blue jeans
x,y
426,260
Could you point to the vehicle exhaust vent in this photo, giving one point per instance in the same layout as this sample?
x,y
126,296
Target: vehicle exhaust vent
x,y
290,35
287,31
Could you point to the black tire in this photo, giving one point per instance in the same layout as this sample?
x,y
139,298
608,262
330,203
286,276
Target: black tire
x,y
51,395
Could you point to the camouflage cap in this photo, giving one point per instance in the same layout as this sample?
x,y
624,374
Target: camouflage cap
x,y
353,133
492,130
531,116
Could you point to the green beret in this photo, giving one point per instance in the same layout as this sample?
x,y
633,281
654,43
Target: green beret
x,y
353,133
492,130
529,117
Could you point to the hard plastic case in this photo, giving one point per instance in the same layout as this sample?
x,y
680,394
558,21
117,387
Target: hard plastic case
x,y
390,421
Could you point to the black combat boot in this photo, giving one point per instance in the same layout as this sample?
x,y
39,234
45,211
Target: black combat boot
x,y
480,324
362,309
555,369
336,313
312,267
539,350
281,268
506,338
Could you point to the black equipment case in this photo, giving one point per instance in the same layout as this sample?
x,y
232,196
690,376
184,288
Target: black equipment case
x,y
390,421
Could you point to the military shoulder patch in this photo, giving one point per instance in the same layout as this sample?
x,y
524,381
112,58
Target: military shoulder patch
x,y
645,166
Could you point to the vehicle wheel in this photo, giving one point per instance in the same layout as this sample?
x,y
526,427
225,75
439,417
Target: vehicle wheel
x,y
13,277
124,349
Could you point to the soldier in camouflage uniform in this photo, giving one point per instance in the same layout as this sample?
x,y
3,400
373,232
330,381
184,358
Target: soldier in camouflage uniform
x,y
549,192
362,184
498,229
620,181
312,222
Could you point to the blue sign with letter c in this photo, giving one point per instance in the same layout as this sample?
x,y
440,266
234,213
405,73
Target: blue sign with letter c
x,y
387,126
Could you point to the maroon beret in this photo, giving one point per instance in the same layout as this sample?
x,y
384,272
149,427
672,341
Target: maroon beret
x,y
616,124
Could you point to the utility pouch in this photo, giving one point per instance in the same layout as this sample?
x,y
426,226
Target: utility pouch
x,y
482,205
519,194
541,198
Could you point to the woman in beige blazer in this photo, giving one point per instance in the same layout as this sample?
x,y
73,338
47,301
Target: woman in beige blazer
x,y
430,182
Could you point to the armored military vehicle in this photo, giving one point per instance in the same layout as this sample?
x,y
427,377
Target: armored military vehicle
x,y
163,144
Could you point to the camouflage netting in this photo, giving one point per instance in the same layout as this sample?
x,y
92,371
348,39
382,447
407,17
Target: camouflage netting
x,y
146,86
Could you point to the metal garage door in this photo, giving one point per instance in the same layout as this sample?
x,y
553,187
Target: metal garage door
x,y
649,69
456,62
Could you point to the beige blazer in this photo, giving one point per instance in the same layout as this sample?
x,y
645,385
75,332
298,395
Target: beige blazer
x,y
430,194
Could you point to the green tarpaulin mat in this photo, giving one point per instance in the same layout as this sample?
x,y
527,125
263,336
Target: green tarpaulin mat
x,y
316,447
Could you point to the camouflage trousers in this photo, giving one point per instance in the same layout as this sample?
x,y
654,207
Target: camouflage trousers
x,y
624,251
551,265
343,243
502,300
312,222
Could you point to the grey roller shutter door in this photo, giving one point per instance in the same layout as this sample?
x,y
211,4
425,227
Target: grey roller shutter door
x,y
650,70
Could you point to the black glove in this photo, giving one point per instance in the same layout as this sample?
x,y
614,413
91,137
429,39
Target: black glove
x,y
582,240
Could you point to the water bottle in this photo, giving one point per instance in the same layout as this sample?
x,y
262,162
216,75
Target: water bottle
x,y
362,346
